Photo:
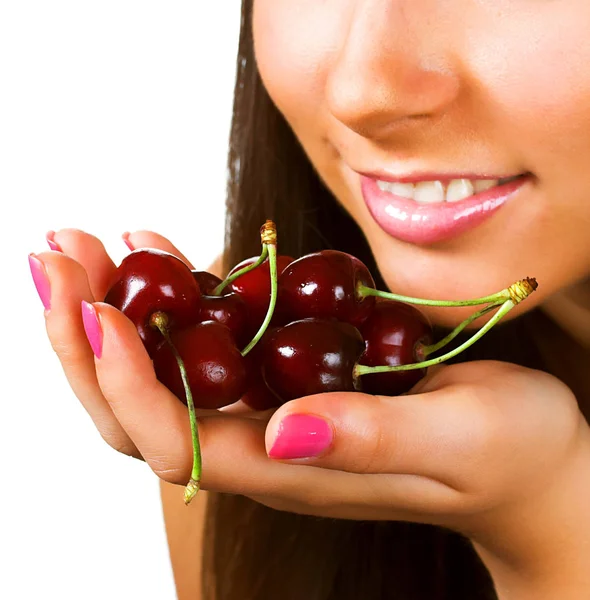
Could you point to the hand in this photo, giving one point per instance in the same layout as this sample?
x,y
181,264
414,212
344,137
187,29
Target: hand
x,y
82,271
473,448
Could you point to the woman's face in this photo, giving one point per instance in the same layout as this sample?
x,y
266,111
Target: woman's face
x,y
385,93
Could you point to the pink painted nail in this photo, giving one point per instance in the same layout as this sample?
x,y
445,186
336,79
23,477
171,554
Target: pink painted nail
x,y
53,245
41,280
129,245
301,436
92,328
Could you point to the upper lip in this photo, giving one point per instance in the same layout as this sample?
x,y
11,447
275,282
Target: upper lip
x,y
416,177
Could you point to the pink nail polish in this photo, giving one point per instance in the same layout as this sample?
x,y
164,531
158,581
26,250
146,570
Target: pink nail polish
x,y
92,328
53,245
129,245
41,280
301,436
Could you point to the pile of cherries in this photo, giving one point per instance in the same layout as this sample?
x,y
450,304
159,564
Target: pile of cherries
x,y
278,328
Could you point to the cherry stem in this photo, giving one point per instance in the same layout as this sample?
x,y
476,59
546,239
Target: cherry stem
x,y
505,308
514,292
263,255
159,320
272,259
431,349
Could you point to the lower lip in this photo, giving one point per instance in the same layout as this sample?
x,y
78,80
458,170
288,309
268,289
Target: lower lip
x,y
416,223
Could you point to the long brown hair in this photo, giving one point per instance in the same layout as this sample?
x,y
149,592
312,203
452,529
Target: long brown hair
x,y
253,552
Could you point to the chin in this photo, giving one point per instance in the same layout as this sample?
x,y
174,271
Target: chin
x,y
421,274
451,317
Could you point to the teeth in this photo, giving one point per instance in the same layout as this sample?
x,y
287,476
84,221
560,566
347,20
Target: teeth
x,y
429,192
399,189
459,189
481,185
432,192
403,189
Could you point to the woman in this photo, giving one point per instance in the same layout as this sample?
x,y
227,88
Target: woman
x,y
373,126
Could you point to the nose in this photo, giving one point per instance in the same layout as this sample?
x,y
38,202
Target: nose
x,y
394,68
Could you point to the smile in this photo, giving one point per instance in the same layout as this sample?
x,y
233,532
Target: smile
x,y
430,211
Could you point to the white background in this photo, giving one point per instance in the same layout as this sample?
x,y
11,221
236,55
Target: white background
x,y
114,116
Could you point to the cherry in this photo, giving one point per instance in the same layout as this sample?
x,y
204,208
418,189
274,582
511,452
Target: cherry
x,y
323,285
207,281
312,356
149,280
394,334
229,310
254,288
258,396
215,368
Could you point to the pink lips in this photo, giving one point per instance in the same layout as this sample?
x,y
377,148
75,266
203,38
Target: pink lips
x,y
417,223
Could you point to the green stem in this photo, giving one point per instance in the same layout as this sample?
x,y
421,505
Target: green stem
x,y
160,321
497,298
428,350
505,308
217,291
272,259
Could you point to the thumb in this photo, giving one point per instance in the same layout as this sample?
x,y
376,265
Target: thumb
x,y
422,434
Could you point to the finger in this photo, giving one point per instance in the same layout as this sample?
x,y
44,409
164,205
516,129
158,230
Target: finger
x,y
154,418
90,252
233,449
158,422
242,409
423,434
66,285
149,239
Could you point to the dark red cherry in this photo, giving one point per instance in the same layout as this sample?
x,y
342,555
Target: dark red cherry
x,y
207,281
258,396
393,334
149,280
323,285
215,368
254,288
310,357
229,310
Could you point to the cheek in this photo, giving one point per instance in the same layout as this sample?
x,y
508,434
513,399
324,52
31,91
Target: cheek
x,y
537,82
538,85
293,45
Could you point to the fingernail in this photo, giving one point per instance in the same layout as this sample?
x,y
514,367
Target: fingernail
x,y
301,436
92,328
41,280
53,245
129,245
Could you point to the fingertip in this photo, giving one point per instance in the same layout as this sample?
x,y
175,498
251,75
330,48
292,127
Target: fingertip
x,y
92,327
50,238
299,435
121,340
144,238
125,237
40,280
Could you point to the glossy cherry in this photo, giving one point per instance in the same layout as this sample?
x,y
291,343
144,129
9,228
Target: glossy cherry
x,y
215,368
323,285
311,356
207,281
229,310
149,280
394,333
254,288
258,396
